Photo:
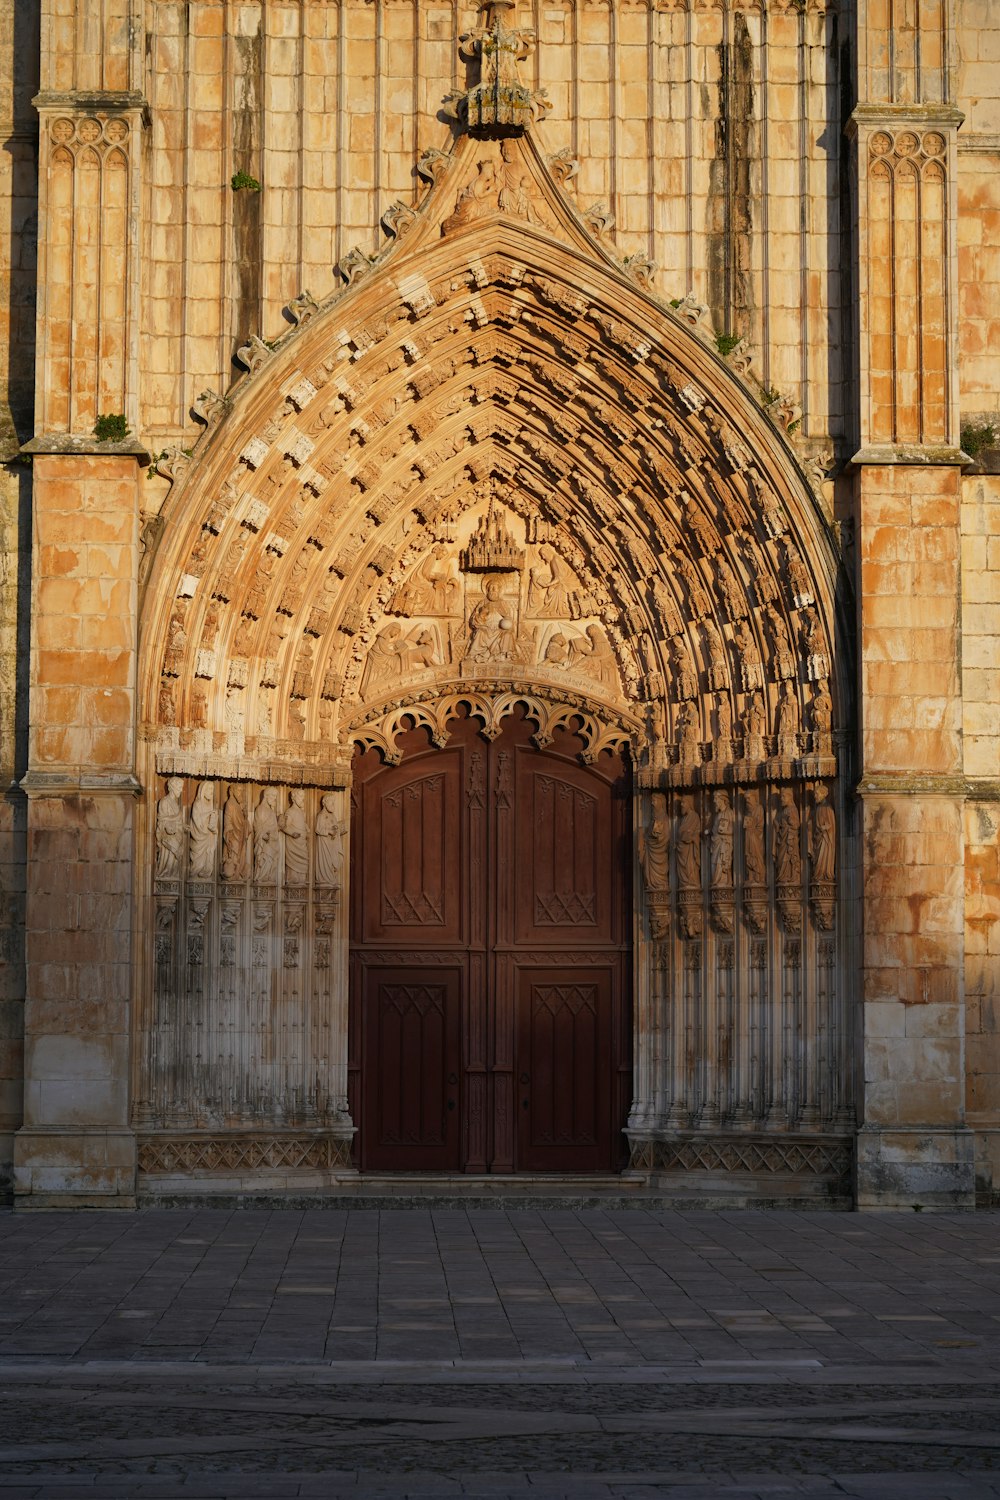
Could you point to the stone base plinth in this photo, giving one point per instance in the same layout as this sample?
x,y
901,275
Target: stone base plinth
x,y
930,1167
275,1162
74,1168
755,1169
987,1165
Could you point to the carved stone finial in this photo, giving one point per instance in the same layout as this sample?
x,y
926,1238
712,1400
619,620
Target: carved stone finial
x,y
253,353
498,103
302,308
491,548
172,462
209,407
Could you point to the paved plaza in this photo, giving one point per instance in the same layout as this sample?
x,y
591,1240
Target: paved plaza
x,y
589,1353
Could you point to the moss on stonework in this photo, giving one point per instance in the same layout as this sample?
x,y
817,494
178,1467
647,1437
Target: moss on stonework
x,y
979,435
112,428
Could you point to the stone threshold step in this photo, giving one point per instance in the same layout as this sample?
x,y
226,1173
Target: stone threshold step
x,y
520,1201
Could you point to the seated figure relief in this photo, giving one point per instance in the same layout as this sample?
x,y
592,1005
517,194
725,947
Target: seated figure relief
x,y
395,655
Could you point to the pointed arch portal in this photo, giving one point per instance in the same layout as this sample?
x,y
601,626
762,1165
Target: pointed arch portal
x,y
494,481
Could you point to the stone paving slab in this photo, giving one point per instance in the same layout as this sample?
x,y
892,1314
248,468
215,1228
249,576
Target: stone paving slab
x,y
207,1353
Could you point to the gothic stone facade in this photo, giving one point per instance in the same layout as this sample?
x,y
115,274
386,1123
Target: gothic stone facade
x,y
600,366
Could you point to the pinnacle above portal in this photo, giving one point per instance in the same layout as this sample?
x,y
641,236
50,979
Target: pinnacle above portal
x,y
497,103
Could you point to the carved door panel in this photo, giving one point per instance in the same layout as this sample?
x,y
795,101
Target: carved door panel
x,y
417,1070
412,864
412,1024
560,957
565,1081
490,904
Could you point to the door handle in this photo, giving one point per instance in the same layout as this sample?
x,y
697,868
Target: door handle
x,y
451,1104
525,1078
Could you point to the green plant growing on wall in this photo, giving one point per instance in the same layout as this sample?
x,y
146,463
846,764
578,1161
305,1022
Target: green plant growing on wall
x,y
111,428
979,435
243,182
726,343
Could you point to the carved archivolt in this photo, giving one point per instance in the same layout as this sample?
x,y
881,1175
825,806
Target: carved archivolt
x,y
315,560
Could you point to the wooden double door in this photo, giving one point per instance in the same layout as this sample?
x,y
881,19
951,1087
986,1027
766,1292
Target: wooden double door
x,y
490,924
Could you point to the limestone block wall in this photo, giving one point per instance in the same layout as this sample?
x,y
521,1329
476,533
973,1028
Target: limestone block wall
x,y
19,64
978,78
981,713
913,913
79,831
711,135
977,71
14,572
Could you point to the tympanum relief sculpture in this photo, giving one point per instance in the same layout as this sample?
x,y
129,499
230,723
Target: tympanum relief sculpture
x,y
490,605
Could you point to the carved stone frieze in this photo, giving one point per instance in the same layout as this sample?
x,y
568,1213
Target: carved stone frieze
x,y
181,1156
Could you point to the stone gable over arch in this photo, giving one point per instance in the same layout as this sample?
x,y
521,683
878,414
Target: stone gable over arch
x,y
497,359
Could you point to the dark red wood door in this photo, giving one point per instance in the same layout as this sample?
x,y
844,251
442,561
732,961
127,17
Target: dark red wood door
x,y
490,955
413,1034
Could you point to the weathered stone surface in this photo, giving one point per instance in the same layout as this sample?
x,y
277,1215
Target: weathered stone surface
x,y
569,435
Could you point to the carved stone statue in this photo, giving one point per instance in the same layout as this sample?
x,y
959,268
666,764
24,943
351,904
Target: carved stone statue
x,y
293,825
822,710
593,655
548,585
266,838
166,710
754,729
721,839
683,675
788,720
718,674
724,717
787,841
751,675
432,589
386,658
754,864
556,653
666,607
814,647
170,831
492,628
696,589
501,184
204,834
799,582
823,837
731,593
689,739
235,847
689,846
328,843
784,660
654,846
198,712
393,655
